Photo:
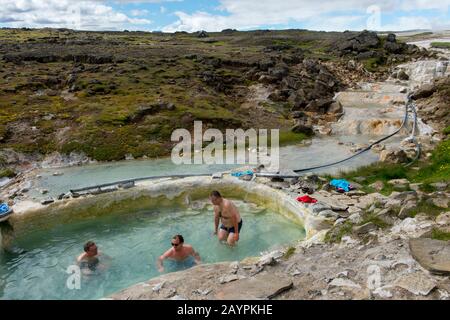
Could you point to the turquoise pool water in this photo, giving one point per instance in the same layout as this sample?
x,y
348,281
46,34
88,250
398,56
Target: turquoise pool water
x,y
36,267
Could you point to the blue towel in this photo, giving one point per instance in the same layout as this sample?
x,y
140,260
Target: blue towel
x,y
341,184
242,173
4,208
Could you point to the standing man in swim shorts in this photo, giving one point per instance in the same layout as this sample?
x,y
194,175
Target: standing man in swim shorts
x,y
227,213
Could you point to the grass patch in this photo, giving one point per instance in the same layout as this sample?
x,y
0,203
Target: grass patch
x,y
437,169
7,173
289,252
336,233
372,64
441,45
289,137
375,220
440,235
377,172
427,208
447,130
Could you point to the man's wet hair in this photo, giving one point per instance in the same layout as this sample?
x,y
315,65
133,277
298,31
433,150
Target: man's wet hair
x,y
179,237
88,245
216,194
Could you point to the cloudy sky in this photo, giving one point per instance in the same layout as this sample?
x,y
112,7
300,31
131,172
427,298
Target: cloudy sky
x,y
216,15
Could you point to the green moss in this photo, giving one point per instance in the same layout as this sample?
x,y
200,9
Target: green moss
x,y
289,137
440,235
447,130
375,220
289,252
441,45
377,172
336,234
439,167
8,173
427,208
373,64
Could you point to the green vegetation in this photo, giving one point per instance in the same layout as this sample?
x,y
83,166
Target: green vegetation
x,y
441,45
373,64
7,173
99,111
337,233
447,130
427,208
371,217
435,170
440,235
289,252
289,137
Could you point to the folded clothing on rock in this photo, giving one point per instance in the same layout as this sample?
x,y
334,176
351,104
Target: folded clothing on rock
x,y
341,185
4,209
306,199
242,173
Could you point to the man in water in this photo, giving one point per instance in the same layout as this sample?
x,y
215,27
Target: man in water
x,y
231,222
89,260
178,252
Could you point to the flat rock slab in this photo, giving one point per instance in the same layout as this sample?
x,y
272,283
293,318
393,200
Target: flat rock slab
x,y
433,255
416,283
260,287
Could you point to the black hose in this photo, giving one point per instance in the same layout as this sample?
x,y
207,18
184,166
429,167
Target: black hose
x,y
405,120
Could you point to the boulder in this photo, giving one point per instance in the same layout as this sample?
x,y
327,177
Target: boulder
x,y
335,107
393,47
401,75
320,105
395,182
303,126
417,283
407,209
433,255
329,214
360,42
393,156
262,286
391,38
385,215
439,201
355,218
47,201
443,219
279,71
424,92
365,228
439,186
377,185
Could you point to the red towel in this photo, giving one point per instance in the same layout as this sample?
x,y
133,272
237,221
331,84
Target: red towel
x,y
306,199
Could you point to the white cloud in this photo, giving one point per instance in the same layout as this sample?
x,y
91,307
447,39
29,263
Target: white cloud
x,y
138,12
247,14
82,15
162,9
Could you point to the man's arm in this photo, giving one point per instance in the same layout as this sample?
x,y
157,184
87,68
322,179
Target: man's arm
x,y
196,256
161,259
216,219
80,258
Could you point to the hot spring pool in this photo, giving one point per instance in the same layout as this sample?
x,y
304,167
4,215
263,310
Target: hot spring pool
x,y
36,267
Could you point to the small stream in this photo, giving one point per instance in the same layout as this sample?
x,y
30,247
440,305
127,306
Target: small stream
x,y
319,151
